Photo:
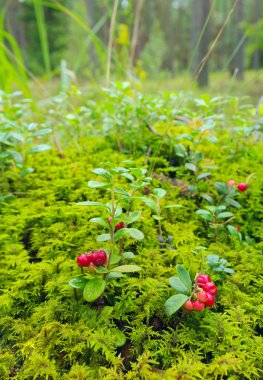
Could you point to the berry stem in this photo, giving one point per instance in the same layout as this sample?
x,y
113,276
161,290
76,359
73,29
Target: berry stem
x,y
180,319
111,228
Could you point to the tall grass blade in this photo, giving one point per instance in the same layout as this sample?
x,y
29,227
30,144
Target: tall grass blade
x,y
42,31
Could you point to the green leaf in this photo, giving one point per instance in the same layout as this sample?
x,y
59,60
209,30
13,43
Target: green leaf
x,y
102,172
208,198
203,175
103,237
127,268
184,276
157,217
121,191
212,259
135,234
128,255
90,203
174,303
178,286
190,166
26,171
128,176
223,215
120,233
114,275
174,206
100,221
101,269
221,187
159,193
150,202
115,259
39,149
133,217
78,283
232,202
232,230
95,184
94,289
42,132
229,270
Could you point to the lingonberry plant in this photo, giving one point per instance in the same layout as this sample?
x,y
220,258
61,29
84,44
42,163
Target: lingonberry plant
x,y
190,295
104,263
154,202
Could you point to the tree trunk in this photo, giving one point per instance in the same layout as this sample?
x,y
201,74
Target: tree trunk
x,y
200,11
256,55
15,24
240,52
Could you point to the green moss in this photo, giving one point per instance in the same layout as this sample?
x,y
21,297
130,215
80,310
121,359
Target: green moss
x,y
49,332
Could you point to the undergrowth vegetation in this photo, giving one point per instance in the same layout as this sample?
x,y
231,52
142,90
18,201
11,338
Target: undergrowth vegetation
x,y
161,162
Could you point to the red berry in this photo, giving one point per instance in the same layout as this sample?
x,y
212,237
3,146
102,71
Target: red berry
x,y
242,186
202,296
110,218
188,305
210,288
119,226
198,305
203,279
210,300
99,258
231,182
84,260
237,228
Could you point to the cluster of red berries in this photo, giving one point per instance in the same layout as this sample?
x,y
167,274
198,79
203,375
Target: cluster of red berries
x,y
241,186
203,296
91,259
118,226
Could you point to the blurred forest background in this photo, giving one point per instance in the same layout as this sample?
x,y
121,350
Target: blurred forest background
x,y
93,41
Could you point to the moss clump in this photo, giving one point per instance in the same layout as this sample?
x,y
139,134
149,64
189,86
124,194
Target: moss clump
x,y
49,332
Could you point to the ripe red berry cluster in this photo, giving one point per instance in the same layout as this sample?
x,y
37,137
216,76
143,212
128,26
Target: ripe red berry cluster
x,y
242,186
118,226
203,295
91,259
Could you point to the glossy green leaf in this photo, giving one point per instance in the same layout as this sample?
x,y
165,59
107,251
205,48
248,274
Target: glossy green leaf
x,y
102,172
96,184
114,275
159,193
115,259
223,215
184,276
93,289
135,234
191,167
233,202
39,149
133,217
174,303
103,237
174,206
78,283
100,221
150,203
179,286
90,203
128,255
127,268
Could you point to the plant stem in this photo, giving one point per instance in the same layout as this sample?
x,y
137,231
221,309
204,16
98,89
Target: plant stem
x,y
111,228
180,319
